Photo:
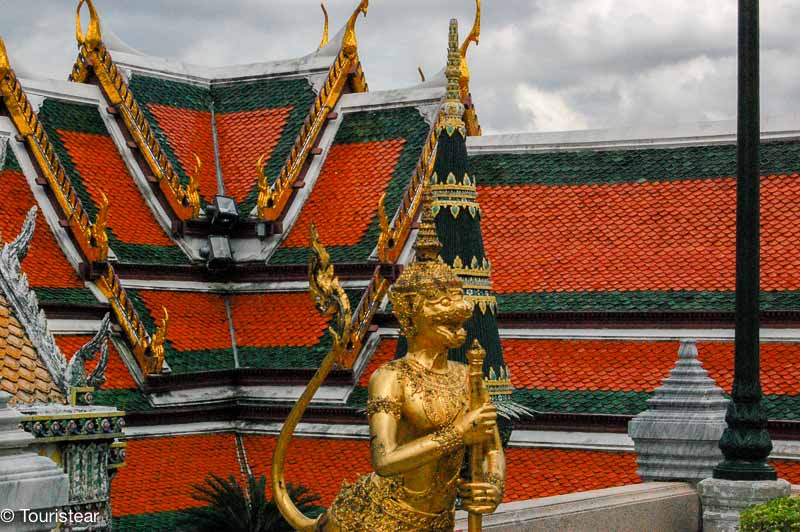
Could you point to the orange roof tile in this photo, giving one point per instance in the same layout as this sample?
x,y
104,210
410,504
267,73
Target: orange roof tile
x,y
197,320
671,235
98,162
383,354
243,138
117,374
188,133
160,472
637,366
276,320
345,197
533,473
319,464
45,264
22,373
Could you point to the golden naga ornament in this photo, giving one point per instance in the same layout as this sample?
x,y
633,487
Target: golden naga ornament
x,y
423,409
99,237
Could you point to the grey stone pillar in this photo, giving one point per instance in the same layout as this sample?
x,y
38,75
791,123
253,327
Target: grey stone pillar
x,y
27,480
677,437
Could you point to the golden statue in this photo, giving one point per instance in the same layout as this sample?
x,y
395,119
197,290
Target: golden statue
x,y
423,409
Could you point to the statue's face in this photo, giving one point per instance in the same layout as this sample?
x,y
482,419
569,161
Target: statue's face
x,y
440,319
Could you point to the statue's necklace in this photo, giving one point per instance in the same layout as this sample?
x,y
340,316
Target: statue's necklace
x,y
443,394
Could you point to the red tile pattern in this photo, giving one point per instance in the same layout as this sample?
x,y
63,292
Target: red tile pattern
x,y
637,366
45,264
160,472
189,132
383,354
345,197
243,138
787,470
197,321
117,375
276,320
675,235
319,464
533,473
102,171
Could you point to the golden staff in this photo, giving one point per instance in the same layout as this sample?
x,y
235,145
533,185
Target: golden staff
x,y
477,396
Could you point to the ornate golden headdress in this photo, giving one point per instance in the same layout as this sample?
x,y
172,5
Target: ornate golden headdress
x,y
425,278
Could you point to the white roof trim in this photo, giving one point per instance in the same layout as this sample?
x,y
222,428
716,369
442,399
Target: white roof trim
x,y
634,137
661,334
203,75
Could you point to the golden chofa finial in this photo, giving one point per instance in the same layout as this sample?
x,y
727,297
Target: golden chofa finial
x,y
349,43
324,40
93,37
474,36
5,65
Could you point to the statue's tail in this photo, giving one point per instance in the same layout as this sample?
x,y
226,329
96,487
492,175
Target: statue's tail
x,y
331,300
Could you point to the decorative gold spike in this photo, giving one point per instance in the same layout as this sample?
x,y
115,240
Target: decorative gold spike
x,y
384,240
349,43
324,40
193,190
99,235
93,36
474,36
159,338
421,73
5,64
266,196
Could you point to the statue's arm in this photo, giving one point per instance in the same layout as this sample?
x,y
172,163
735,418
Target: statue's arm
x,y
384,410
495,466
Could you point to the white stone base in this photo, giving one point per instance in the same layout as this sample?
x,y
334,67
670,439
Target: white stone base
x,y
724,500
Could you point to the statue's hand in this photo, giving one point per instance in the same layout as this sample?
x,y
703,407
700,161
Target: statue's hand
x,y
479,497
478,425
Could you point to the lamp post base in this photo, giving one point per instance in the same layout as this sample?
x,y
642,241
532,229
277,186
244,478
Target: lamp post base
x,y
723,500
745,471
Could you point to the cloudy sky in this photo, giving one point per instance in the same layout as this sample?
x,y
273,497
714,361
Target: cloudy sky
x,y
541,65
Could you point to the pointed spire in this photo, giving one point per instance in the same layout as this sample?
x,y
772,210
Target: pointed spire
x,y
324,39
453,109
93,37
427,245
5,65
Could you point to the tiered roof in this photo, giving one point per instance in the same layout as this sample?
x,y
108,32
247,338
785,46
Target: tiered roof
x,y
579,228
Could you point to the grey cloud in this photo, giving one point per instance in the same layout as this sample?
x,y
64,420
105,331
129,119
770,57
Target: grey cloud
x,y
592,63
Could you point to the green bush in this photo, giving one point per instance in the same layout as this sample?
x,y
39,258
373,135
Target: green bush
x,y
777,515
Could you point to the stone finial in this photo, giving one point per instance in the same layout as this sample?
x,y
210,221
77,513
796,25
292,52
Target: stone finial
x,y
677,437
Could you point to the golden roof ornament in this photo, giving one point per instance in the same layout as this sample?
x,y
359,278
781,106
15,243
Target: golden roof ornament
x,y
349,42
5,64
324,39
93,37
452,108
474,36
98,234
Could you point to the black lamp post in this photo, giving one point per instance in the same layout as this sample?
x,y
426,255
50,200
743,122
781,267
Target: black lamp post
x,y
746,442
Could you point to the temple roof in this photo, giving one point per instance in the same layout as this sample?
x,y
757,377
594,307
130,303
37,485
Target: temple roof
x,y
641,227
